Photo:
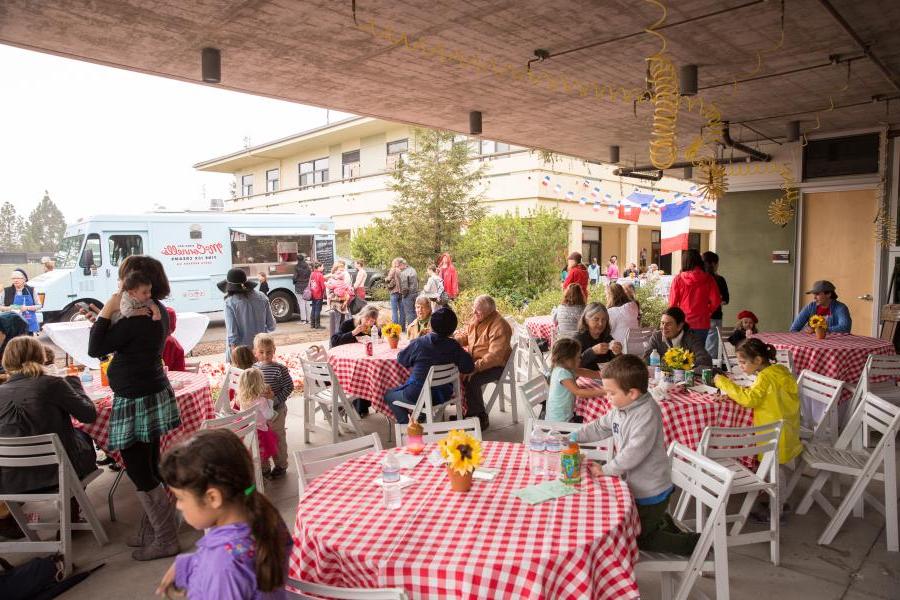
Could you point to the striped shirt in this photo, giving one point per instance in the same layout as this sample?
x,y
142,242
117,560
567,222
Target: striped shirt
x,y
279,379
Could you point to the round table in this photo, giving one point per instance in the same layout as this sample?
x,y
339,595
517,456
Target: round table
x,y
195,405
541,327
840,355
369,377
685,413
482,544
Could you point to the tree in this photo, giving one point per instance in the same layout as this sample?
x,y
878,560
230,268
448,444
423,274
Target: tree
x,y
45,228
10,228
438,194
375,245
513,256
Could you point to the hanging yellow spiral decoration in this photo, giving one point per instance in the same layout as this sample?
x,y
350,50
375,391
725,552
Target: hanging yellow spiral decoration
x,y
664,83
713,179
885,224
783,209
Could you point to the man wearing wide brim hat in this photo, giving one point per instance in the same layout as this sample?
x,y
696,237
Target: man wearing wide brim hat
x,y
247,311
825,304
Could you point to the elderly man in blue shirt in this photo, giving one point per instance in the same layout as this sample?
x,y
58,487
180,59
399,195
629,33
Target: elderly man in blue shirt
x,y
836,314
435,348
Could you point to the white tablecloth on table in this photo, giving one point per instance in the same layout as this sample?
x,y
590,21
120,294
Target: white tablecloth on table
x,y
72,337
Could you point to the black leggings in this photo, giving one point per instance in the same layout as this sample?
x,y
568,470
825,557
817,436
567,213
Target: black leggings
x,y
142,465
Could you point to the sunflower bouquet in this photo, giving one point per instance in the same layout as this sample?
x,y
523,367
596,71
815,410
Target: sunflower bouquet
x,y
818,322
679,359
461,450
391,330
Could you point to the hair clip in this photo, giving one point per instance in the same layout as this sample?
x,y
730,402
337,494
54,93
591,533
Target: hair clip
x,y
250,489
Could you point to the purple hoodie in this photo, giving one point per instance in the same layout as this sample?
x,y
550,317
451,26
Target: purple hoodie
x,y
224,567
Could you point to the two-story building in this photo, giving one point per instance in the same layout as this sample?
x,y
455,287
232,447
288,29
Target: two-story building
x,y
343,170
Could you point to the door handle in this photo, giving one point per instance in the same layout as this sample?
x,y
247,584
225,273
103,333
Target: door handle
x,y
865,297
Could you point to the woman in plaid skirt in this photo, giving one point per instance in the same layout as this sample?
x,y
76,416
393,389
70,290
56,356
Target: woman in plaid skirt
x,y
144,406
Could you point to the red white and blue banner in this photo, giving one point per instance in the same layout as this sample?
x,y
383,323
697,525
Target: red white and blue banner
x,y
676,222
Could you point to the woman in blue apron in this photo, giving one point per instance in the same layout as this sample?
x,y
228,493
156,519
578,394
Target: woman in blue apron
x,y
21,298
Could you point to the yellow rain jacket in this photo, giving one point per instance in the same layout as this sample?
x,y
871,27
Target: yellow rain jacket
x,y
772,397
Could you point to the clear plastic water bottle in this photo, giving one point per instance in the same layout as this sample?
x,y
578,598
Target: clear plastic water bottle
x,y
537,456
555,446
86,376
654,364
390,477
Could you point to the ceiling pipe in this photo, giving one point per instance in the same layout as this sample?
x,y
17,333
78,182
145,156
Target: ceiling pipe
x,y
730,143
645,174
644,169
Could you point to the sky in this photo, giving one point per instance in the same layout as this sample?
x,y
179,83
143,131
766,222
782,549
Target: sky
x,y
100,139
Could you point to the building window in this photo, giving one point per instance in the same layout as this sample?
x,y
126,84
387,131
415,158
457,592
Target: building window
x,y
397,151
123,246
591,238
694,241
246,185
462,140
272,180
492,147
313,172
350,162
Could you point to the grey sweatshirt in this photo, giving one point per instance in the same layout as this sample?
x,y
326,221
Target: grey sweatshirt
x,y
640,458
567,318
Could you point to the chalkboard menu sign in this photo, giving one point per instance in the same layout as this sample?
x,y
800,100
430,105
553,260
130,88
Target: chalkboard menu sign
x,y
325,252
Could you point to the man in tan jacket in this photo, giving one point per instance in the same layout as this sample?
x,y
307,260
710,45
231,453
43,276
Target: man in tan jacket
x,y
487,338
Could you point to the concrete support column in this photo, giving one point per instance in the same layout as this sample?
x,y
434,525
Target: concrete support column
x,y
712,240
631,245
574,236
676,262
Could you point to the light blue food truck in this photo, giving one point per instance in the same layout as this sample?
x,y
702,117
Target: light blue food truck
x,y
196,248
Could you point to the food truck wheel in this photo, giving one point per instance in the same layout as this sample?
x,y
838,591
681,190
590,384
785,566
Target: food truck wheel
x,y
282,305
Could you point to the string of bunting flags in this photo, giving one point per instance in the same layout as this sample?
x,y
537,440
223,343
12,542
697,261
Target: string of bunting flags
x,y
630,207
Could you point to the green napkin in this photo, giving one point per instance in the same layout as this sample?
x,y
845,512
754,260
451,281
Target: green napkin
x,y
541,492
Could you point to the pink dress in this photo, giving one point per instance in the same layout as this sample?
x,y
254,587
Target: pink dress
x,y
268,441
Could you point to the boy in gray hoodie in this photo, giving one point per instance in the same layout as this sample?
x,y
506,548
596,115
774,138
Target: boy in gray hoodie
x,y
635,424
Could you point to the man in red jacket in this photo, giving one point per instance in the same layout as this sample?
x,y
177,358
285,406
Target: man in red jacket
x,y
577,274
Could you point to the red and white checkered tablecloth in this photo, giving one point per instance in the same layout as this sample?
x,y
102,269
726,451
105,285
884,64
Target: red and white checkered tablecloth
x,y
685,413
840,355
195,405
541,327
481,544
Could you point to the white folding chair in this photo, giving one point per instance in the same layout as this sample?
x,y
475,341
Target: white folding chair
x,y
228,391
515,325
323,392
849,457
601,451
319,591
47,451
636,340
726,356
784,357
710,483
432,432
533,394
312,462
529,360
242,424
316,353
507,378
819,397
726,445
437,375
878,366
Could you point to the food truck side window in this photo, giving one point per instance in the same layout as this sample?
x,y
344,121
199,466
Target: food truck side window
x,y
122,246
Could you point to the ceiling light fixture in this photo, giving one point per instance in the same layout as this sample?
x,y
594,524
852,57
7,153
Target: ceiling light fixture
x,y
613,154
211,65
793,131
687,80
475,122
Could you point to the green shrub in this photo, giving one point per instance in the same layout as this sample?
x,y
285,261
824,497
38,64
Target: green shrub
x,y
652,306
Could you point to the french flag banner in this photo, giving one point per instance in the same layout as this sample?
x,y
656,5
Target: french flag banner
x,y
676,222
629,210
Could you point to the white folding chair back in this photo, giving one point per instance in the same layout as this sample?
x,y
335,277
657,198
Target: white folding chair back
x,y
312,462
436,431
784,357
316,353
636,340
242,424
507,379
819,416
228,391
601,451
710,484
320,591
47,451
437,375
529,361
727,445
323,392
879,366
849,457
533,393
726,356
515,325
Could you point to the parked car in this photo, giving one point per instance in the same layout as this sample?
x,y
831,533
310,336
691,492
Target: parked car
x,y
374,277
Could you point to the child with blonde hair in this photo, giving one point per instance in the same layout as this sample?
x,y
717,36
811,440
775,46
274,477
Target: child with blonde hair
x,y
281,384
251,393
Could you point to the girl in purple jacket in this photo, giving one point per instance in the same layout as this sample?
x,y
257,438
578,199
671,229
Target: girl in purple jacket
x,y
244,552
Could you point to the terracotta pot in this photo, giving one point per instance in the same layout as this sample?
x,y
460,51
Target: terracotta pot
x,y
459,483
820,333
393,341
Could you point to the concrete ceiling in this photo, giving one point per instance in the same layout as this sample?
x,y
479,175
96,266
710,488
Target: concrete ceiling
x,y
314,53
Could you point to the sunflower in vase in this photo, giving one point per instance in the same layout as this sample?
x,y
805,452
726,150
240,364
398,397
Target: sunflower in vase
x,y
819,325
391,332
462,451
679,359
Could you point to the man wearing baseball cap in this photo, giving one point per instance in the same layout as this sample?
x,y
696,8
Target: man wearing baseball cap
x,y
826,304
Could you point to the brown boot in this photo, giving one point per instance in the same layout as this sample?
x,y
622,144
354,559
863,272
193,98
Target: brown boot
x,y
144,535
161,514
